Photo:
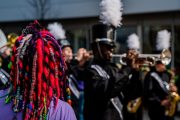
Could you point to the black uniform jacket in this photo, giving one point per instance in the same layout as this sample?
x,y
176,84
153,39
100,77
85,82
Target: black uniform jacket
x,y
100,89
156,90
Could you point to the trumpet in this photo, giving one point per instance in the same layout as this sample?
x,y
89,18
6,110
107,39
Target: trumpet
x,y
148,59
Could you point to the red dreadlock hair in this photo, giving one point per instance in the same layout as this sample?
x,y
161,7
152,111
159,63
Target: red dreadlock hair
x,y
37,73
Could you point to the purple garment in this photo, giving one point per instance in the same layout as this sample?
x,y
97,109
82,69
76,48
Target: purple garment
x,y
6,112
63,110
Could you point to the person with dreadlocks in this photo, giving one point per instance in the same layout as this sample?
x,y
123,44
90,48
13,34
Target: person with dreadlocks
x,y
39,89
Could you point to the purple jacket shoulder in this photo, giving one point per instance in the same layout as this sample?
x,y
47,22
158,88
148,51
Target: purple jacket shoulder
x,y
63,111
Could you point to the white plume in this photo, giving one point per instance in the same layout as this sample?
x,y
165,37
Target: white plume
x,y
111,12
3,41
133,42
163,40
57,30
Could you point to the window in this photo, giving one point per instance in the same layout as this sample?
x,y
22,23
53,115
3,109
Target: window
x,y
149,37
78,38
121,38
122,35
177,48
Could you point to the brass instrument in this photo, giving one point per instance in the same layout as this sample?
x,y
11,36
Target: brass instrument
x,y
11,40
149,59
133,105
173,98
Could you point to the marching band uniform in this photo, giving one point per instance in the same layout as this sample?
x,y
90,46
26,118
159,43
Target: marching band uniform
x,y
103,79
75,70
132,91
158,85
155,92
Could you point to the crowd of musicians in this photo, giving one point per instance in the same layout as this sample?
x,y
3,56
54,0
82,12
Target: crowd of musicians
x,y
101,89
41,78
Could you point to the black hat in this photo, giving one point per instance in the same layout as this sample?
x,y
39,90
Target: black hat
x,y
103,34
64,43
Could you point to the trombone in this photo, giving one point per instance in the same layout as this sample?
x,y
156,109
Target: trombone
x,y
150,59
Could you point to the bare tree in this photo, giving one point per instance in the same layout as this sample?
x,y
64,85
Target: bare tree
x,y
41,7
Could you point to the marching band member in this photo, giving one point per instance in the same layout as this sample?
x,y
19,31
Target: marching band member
x,y
60,34
75,67
104,81
155,92
133,90
156,83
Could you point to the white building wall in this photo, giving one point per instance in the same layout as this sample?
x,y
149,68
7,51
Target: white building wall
x,y
21,10
150,6
15,10
74,9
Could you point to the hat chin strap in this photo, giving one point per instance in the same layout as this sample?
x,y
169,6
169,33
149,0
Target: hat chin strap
x,y
99,50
